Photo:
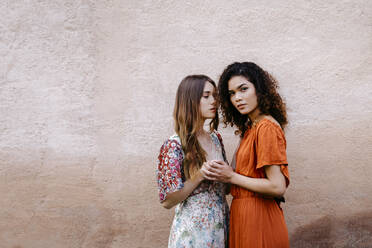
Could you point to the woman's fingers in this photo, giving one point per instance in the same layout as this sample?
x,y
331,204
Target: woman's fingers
x,y
216,170
210,178
209,168
219,162
223,170
210,174
217,165
207,172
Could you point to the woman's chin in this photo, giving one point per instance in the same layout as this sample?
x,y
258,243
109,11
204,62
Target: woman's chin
x,y
243,112
208,117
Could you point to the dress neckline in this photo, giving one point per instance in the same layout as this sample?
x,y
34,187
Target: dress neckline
x,y
263,120
260,123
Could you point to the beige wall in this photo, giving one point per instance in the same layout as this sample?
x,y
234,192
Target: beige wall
x,y
86,96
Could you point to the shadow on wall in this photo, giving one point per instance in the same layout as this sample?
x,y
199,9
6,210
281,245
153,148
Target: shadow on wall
x,y
350,231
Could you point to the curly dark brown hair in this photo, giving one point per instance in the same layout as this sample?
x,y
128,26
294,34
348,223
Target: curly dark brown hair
x,y
268,98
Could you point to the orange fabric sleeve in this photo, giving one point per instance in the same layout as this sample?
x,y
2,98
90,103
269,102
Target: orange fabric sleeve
x,y
271,148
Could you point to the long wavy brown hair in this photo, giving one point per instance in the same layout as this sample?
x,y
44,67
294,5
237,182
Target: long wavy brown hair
x,y
268,98
188,121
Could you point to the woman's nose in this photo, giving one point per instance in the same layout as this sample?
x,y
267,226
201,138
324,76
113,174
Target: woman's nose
x,y
237,97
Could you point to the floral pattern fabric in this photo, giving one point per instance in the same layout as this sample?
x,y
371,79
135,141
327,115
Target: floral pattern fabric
x,y
201,220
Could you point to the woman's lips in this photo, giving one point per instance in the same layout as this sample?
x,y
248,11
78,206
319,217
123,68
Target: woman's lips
x,y
240,106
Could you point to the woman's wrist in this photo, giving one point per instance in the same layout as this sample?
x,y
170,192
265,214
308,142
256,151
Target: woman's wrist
x,y
232,178
199,177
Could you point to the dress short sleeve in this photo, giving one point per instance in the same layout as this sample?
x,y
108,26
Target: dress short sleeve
x,y
271,147
168,172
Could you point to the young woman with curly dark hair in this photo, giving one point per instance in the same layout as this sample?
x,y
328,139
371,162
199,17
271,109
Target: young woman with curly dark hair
x,y
250,101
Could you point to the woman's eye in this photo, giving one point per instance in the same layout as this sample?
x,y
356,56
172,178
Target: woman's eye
x,y
206,96
244,88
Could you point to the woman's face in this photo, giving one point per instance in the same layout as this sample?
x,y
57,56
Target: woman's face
x,y
242,94
208,101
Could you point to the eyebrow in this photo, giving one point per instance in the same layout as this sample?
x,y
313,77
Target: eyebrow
x,y
241,85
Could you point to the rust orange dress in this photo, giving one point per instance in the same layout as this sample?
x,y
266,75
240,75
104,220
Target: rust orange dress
x,y
257,221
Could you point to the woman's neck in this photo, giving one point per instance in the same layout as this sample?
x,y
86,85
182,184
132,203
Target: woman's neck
x,y
254,114
202,132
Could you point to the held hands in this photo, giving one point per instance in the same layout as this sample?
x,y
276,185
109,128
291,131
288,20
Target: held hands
x,y
217,170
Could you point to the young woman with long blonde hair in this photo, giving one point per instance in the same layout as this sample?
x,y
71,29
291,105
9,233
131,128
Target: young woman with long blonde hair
x,y
201,213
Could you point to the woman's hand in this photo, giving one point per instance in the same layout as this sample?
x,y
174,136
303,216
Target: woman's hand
x,y
217,170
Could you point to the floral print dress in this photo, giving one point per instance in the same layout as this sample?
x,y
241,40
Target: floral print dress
x,y
201,220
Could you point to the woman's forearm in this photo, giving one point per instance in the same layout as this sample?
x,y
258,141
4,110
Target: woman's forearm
x,y
259,185
274,184
178,196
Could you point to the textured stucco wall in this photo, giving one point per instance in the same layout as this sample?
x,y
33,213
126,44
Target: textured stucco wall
x,y
86,98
